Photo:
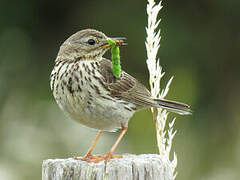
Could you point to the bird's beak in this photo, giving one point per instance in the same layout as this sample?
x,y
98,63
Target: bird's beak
x,y
115,41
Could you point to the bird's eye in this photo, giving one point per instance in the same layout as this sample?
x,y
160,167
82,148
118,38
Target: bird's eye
x,y
91,42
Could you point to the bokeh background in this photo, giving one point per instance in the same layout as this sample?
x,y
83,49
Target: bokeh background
x,y
199,47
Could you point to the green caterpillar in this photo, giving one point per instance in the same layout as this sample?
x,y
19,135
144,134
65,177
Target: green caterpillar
x,y
115,58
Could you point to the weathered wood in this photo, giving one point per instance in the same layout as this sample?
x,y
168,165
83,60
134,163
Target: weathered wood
x,y
130,167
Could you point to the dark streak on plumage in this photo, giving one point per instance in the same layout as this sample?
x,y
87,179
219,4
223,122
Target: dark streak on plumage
x,y
88,70
105,97
96,89
93,72
89,79
89,102
69,86
53,81
56,77
79,88
57,88
90,94
62,87
64,82
101,82
52,74
97,64
93,66
66,72
61,76
83,64
76,67
80,71
91,85
78,59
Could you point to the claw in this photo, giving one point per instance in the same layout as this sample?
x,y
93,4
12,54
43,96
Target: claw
x,y
98,158
88,157
107,157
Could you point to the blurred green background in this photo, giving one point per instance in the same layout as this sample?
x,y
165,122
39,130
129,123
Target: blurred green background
x,y
199,47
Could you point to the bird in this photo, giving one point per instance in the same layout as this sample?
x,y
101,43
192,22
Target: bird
x,y
86,90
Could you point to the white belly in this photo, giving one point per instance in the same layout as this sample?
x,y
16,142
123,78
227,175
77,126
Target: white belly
x,y
107,116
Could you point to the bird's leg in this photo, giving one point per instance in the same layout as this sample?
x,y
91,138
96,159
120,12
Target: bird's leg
x,y
109,155
89,155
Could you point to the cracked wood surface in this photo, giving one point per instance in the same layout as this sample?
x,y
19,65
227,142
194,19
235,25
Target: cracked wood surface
x,y
130,167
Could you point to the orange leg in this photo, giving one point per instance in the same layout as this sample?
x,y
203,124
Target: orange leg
x,y
109,155
89,152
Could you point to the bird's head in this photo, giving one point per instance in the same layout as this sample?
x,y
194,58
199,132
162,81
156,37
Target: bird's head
x,y
88,44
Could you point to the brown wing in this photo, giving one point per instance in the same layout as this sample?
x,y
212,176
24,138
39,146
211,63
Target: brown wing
x,y
126,86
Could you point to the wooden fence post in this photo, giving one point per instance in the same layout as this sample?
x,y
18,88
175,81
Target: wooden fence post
x,y
130,167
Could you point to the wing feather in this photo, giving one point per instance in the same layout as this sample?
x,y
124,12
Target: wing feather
x,y
126,86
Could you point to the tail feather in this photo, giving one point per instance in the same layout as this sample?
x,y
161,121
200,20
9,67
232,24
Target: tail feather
x,y
174,106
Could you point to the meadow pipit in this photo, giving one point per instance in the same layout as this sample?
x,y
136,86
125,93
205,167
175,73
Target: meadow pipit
x,y
86,90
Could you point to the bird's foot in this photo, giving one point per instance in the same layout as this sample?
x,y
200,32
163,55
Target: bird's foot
x,y
99,158
88,157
